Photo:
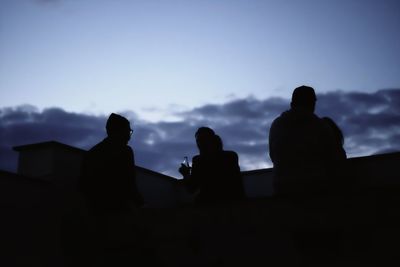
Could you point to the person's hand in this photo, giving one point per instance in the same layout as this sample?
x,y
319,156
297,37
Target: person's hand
x,y
184,170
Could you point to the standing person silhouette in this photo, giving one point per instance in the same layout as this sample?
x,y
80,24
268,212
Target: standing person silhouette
x,y
108,185
108,179
300,147
340,180
338,139
215,173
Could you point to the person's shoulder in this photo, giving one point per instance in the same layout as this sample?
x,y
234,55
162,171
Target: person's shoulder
x,y
196,158
321,123
316,118
283,117
97,147
230,154
128,149
281,122
96,153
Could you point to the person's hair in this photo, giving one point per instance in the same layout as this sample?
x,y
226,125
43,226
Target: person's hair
x,y
116,124
204,131
206,140
335,129
304,96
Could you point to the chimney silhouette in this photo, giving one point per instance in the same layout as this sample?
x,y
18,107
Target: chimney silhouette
x,y
51,161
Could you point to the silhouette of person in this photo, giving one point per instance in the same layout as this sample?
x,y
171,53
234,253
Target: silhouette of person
x,y
338,139
337,168
300,147
108,179
215,173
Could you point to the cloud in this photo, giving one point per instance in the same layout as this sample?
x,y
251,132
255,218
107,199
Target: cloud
x,y
370,123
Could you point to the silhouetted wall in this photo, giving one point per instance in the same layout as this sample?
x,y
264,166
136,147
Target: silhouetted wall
x,y
258,183
60,164
376,171
50,161
158,190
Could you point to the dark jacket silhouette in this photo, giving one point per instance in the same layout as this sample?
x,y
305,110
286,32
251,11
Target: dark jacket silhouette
x,y
215,173
339,154
338,171
108,179
300,146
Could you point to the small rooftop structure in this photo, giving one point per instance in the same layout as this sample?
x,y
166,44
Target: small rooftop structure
x,y
60,164
51,161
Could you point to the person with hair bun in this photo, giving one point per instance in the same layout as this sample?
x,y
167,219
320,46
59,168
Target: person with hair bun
x,y
215,173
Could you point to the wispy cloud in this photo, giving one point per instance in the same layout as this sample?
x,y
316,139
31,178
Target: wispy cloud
x,y
370,122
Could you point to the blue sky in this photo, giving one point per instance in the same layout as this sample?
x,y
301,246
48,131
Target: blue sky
x,y
172,66
153,56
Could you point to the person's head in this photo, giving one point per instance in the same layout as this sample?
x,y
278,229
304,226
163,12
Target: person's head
x,y
304,98
118,128
205,138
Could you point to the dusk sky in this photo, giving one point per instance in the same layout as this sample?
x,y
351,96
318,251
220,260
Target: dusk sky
x,y
173,66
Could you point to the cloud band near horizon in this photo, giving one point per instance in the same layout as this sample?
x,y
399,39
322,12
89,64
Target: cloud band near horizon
x,y
370,123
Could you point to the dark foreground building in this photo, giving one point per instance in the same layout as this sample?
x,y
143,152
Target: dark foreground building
x,y
44,221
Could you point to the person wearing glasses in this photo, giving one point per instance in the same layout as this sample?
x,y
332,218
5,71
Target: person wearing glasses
x,y
108,179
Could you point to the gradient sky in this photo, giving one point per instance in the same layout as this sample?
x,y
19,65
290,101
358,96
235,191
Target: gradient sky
x,y
172,66
153,57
